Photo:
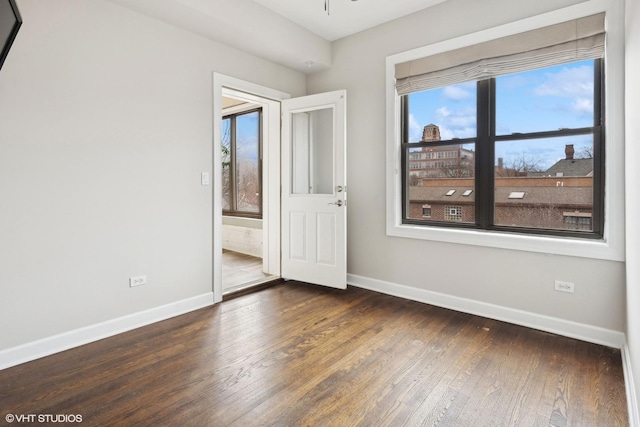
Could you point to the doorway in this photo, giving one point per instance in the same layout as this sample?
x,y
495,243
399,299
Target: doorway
x,y
230,90
242,138
312,245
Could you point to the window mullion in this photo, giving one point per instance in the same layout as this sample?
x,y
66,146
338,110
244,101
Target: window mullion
x,y
598,148
485,152
232,166
404,167
260,155
491,156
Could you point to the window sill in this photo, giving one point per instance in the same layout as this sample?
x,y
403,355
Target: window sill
x,y
242,221
241,215
550,245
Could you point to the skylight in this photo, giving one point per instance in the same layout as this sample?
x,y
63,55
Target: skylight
x,y
516,195
467,193
450,192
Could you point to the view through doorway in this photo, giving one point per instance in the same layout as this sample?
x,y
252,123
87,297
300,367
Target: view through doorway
x,y
243,190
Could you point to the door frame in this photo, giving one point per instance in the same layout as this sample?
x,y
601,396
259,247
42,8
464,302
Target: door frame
x,y
269,99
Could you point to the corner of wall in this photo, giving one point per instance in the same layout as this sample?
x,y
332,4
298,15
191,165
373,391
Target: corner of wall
x,y
632,400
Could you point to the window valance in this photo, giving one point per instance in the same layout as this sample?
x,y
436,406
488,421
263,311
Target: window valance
x,y
575,40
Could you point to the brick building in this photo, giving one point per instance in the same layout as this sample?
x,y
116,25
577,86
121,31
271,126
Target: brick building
x,y
440,161
559,198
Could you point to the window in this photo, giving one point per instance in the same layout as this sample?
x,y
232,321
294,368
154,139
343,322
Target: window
x,y
530,144
242,164
578,220
509,117
404,76
453,213
426,210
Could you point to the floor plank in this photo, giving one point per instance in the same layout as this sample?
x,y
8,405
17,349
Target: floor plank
x,y
297,355
240,269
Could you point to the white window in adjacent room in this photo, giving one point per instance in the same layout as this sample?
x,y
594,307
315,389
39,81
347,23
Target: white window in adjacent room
x,y
242,164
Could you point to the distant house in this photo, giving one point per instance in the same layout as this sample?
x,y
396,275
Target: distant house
x,y
570,166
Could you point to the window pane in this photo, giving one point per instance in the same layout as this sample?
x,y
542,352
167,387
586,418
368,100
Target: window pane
x,y
247,161
443,114
545,183
226,164
442,183
546,99
312,152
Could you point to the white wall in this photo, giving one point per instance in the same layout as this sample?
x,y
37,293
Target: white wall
x,y
514,279
105,127
632,126
243,235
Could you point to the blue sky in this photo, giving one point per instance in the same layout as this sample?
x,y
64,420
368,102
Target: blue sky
x,y
539,100
247,137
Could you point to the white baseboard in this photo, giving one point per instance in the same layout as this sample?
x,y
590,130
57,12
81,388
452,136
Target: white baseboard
x,y
541,322
632,401
61,342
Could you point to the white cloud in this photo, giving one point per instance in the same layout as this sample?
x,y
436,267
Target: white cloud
x,y
415,130
582,106
515,81
442,113
456,124
568,82
462,121
456,93
446,133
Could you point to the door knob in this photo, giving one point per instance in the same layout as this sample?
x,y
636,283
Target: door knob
x,y
338,203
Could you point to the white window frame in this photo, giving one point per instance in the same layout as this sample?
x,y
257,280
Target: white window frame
x,y
611,246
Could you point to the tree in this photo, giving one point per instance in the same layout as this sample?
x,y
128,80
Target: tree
x,y
225,144
248,191
585,152
519,166
459,168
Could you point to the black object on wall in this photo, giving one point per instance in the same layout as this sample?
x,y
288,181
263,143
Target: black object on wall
x,y
10,22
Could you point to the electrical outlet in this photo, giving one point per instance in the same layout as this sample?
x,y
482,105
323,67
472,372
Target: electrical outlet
x,y
137,281
564,286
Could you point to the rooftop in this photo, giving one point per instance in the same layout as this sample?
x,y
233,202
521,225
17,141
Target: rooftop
x,y
571,167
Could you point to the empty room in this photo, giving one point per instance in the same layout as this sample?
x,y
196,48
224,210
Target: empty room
x,y
319,213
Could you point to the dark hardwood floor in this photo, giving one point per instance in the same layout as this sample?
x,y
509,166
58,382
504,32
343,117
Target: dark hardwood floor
x,y
300,355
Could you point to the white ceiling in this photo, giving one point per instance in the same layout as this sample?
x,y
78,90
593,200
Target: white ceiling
x,y
344,17
294,33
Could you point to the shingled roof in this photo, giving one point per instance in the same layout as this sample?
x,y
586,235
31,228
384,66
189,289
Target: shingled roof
x,y
560,196
439,194
571,167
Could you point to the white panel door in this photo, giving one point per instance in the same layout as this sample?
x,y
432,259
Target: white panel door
x,y
314,202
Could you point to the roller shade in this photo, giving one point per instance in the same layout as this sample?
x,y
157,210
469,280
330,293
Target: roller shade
x,y
569,41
